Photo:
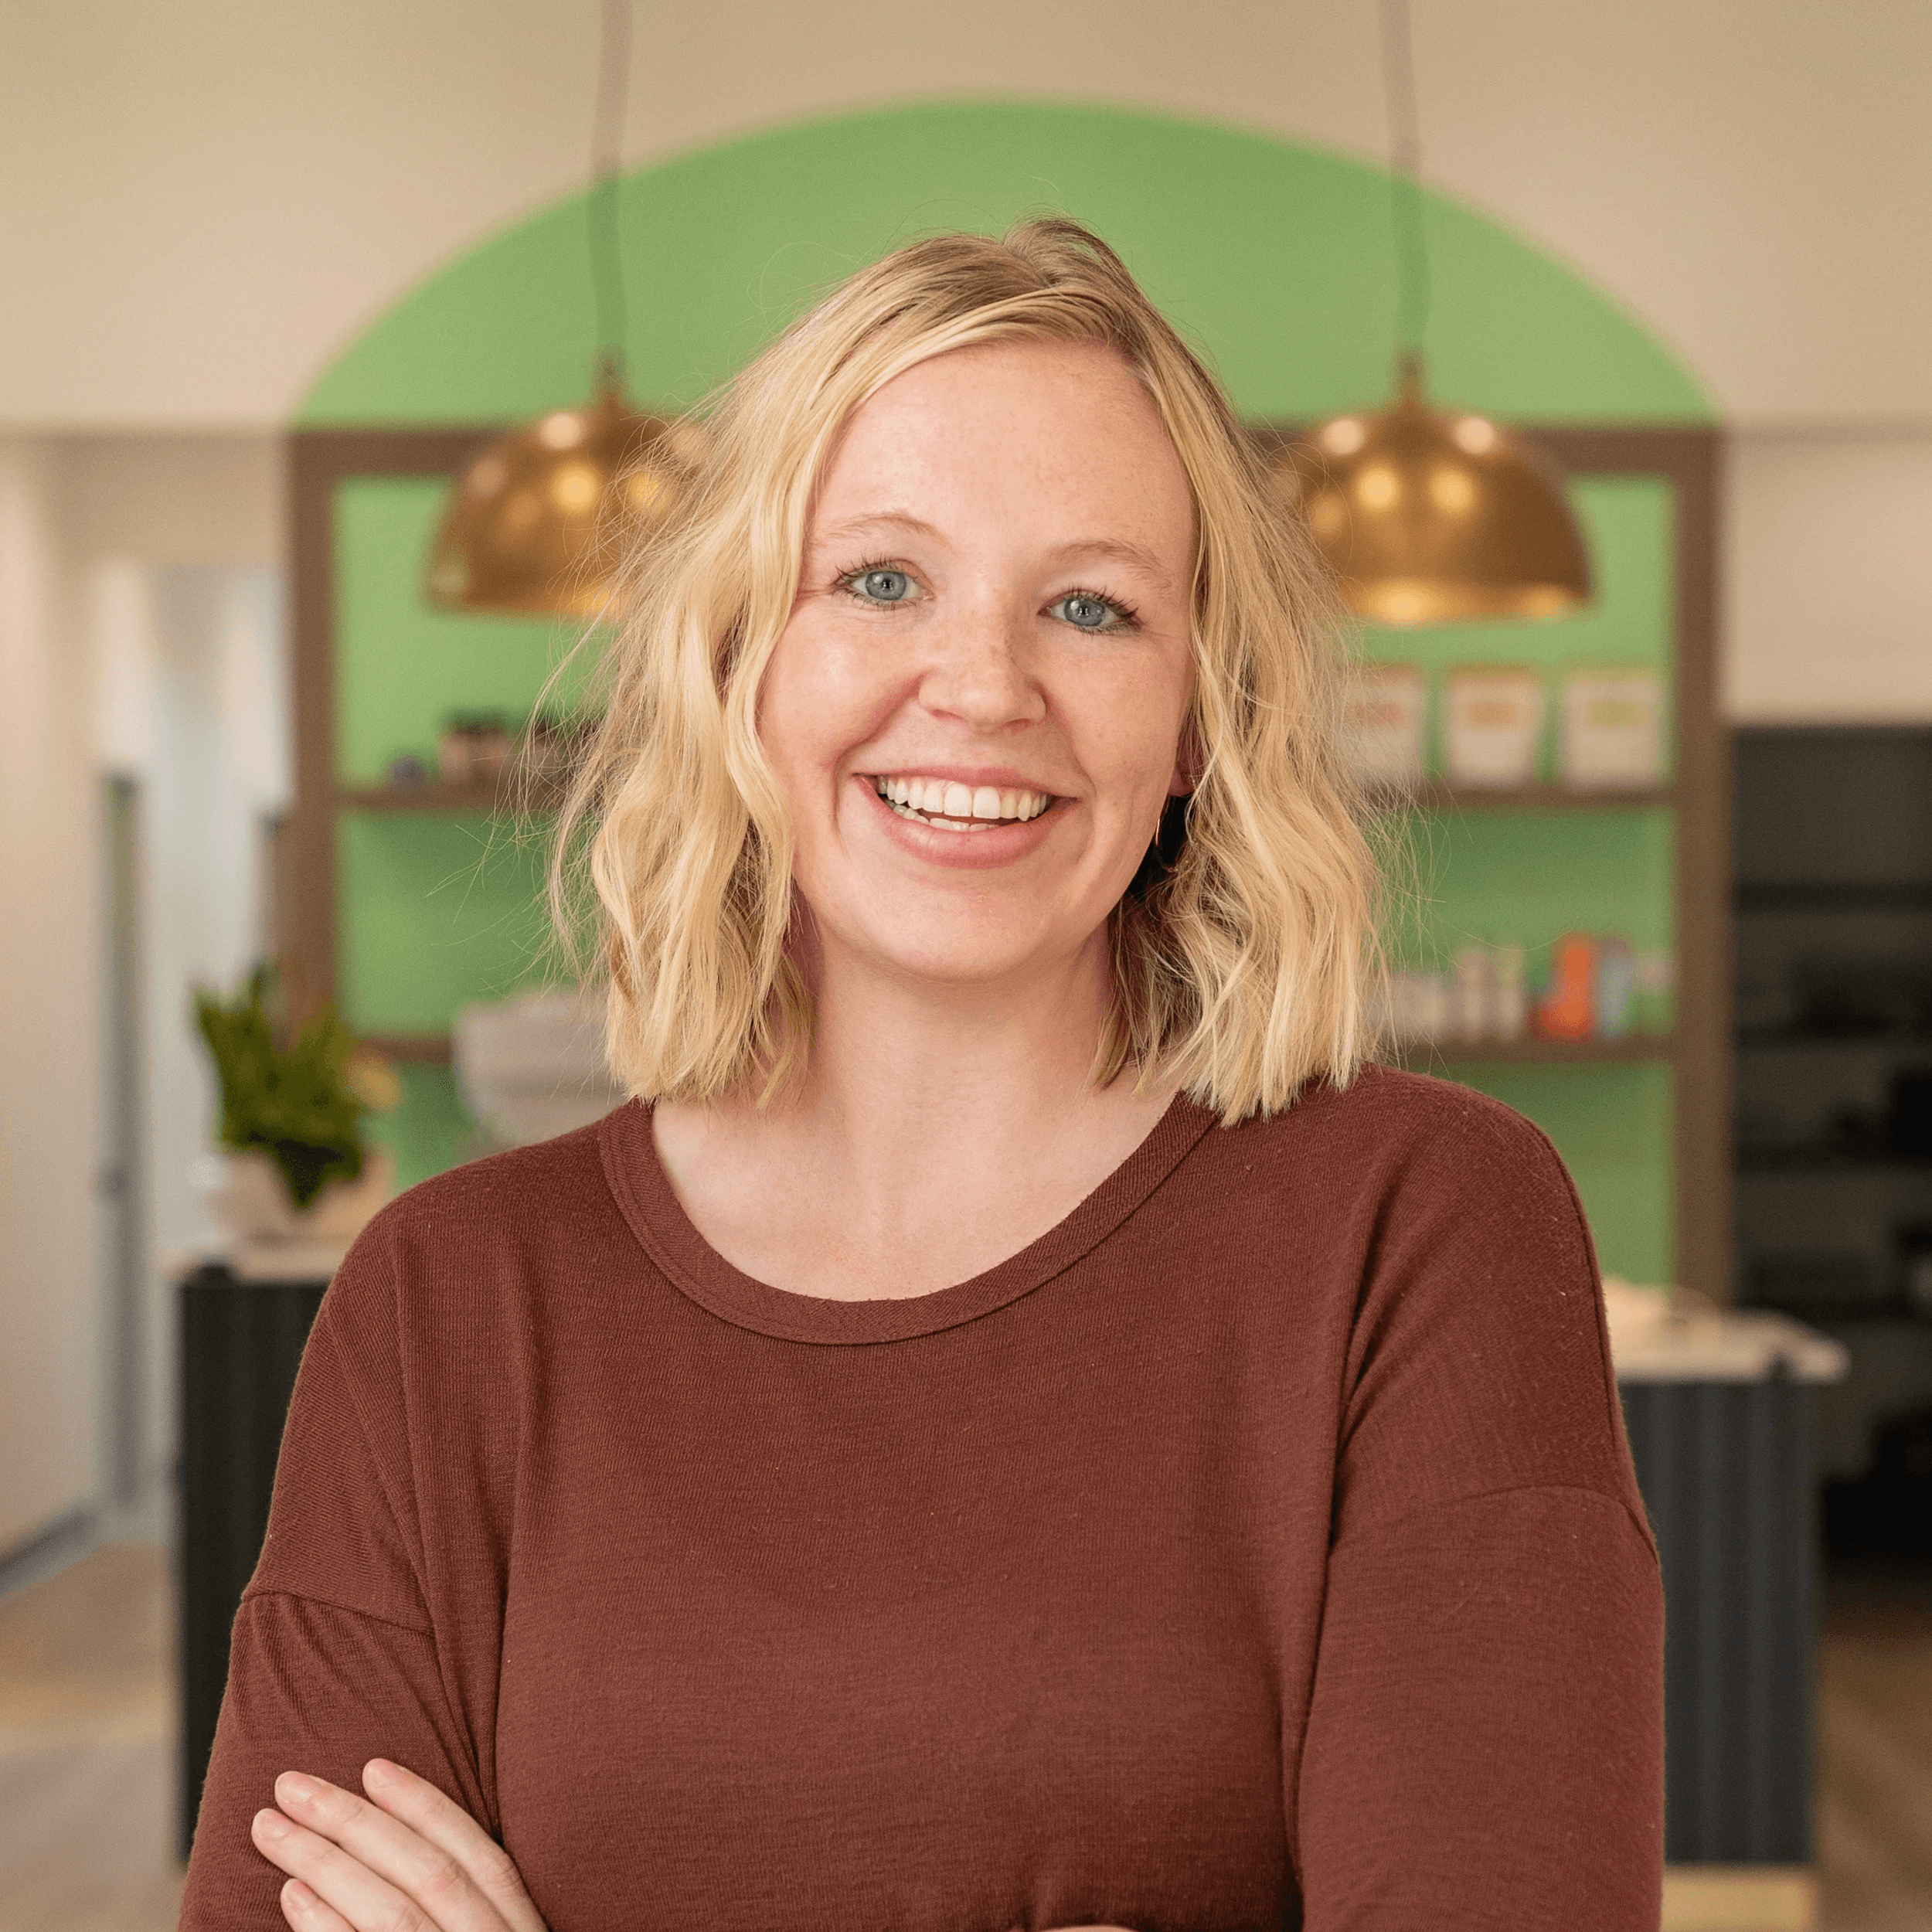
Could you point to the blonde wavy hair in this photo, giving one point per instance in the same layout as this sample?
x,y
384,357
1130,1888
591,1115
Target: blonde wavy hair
x,y
1241,954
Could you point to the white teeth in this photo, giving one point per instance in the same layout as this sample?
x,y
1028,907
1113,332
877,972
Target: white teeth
x,y
938,801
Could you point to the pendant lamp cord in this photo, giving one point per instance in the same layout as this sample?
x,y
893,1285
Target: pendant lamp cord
x,y
607,147
1406,206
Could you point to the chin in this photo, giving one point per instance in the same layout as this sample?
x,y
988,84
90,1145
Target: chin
x,y
954,951
954,964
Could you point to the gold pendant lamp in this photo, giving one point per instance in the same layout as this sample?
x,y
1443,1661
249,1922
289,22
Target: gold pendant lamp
x,y
542,520
1431,515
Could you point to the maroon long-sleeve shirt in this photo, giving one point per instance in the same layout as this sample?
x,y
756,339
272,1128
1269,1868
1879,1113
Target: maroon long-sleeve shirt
x,y
1259,1547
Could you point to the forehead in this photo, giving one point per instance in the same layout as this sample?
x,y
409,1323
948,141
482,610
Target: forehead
x,y
1064,432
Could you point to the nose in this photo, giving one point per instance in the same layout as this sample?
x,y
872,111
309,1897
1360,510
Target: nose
x,y
982,672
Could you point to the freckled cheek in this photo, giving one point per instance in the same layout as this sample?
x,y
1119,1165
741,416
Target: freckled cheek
x,y
1131,751
814,709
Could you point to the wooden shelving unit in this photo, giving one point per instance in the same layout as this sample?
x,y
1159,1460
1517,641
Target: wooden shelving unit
x,y
480,798
1627,1050
415,1050
434,1050
1439,798
1699,1051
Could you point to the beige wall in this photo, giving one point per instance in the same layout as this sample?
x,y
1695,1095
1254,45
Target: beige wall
x,y
49,1004
207,200
1829,578
92,680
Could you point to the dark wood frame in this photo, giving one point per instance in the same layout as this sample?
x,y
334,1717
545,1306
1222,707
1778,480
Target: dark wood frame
x,y
1700,1049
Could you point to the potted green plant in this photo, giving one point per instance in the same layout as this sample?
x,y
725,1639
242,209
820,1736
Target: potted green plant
x,y
294,1093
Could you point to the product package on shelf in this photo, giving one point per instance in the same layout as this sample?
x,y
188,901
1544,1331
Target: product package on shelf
x,y
1483,997
1385,707
1568,1008
1615,986
1653,992
1492,726
1612,732
1598,987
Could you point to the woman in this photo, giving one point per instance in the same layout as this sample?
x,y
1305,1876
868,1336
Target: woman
x,y
1017,1424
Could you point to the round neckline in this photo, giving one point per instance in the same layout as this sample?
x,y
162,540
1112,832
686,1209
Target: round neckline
x,y
646,1198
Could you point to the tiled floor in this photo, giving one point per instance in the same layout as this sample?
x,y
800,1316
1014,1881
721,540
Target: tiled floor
x,y
86,1766
86,1749
1875,1754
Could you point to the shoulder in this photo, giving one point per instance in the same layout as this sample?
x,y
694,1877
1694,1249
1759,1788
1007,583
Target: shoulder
x,y
502,1194
1428,1209
1476,1357
1392,1136
477,1240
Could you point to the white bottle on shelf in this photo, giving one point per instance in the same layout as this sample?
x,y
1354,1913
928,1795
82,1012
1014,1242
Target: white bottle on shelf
x,y
1474,992
1509,1010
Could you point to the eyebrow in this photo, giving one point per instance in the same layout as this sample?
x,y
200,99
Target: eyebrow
x,y
1134,555
1137,557
884,519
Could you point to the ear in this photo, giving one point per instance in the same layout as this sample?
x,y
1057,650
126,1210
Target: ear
x,y
1189,760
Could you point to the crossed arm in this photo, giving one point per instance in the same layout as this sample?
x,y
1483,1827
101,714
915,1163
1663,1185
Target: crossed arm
x,y
403,1859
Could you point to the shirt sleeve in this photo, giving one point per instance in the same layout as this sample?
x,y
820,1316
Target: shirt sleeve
x,y
1485,1739
335,1657
312,1687
1484,1745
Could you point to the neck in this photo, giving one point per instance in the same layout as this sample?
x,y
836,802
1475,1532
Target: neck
x,y
963,1062
939,1129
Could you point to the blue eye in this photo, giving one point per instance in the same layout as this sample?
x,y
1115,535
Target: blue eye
x,y
881,586
1086,612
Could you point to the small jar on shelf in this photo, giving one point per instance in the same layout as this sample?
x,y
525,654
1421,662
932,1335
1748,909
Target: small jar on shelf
x,y
1384,716
1612,730
474,750
1492,726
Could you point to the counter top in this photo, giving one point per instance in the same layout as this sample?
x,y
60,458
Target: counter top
x,y
1711,1345
1652,1339
257,1261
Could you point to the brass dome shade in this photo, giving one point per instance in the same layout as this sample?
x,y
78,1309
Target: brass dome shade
x,y
1435,516
541,521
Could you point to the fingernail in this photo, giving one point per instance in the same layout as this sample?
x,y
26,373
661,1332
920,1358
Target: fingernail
x,y
380,1768
295,1785
271,1825
296,1893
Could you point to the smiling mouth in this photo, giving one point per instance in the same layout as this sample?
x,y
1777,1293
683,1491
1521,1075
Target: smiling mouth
x,y
952,807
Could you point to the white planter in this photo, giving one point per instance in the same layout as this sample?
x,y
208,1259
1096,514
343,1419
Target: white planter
x,y
249,1201
533,1066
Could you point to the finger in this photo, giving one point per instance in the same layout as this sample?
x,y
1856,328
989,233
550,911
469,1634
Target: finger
x,y
416,1802
307,1912
342,1882
378,1846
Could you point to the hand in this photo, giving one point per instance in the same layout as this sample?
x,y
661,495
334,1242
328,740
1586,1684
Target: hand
x,y
405,1859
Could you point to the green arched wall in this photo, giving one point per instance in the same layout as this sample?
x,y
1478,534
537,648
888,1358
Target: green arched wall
x,y
1275,258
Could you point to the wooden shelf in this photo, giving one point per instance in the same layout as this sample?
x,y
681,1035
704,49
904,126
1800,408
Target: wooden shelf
x,y
419,1049
1631,1047
434,1050
477,799
1438,796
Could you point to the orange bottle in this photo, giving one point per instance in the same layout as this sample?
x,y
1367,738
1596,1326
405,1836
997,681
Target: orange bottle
x,y
1568,1009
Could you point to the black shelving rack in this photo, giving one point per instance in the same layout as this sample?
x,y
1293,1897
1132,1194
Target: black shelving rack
x,y
1832,905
